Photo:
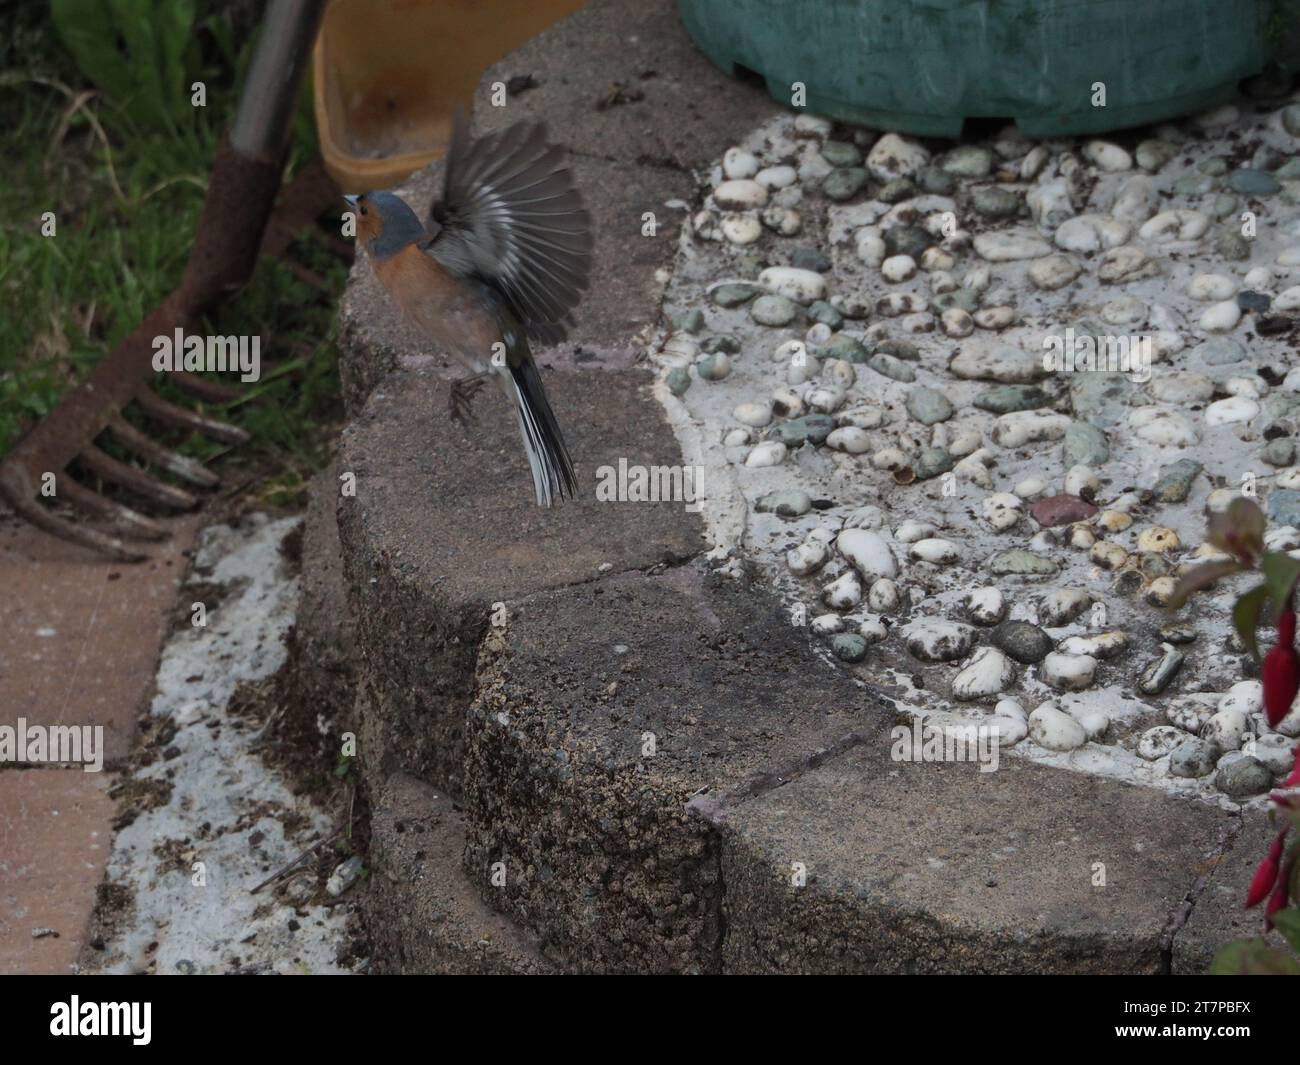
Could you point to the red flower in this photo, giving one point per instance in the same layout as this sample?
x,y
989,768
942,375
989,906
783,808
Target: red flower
x,y
1266,876
1278,899
1281,671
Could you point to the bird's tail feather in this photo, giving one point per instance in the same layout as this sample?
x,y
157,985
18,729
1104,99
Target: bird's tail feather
x,y
548,457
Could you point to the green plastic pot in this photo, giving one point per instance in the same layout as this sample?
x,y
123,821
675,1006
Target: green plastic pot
x,y
925,66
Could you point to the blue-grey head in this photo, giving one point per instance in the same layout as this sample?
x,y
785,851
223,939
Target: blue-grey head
x,y
385,224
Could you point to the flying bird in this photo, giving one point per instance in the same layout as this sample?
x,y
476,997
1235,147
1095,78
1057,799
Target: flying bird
x,y
502,260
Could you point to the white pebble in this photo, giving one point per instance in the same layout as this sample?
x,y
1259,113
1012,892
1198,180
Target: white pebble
x,y
1067,672
768,453
740,195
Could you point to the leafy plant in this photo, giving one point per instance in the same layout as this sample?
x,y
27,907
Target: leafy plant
x,y
141,54
1239,533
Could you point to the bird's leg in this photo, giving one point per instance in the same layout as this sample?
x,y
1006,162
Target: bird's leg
x,y
463,391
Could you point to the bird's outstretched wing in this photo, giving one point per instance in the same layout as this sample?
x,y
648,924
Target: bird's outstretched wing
x,y
511,216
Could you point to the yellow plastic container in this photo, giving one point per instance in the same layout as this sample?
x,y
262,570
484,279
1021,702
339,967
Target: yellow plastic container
x,y
388,75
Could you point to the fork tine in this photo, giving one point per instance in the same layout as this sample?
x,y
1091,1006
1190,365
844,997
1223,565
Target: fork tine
x,y
26,507
185,468
119,473
132,524
172,414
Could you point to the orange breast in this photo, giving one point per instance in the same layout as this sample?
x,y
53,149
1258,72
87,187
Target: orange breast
x,y
438,304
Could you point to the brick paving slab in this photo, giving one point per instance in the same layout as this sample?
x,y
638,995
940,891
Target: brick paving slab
x,y
54,845
444,525
428,918
1218,917
940,868
601,855
80,636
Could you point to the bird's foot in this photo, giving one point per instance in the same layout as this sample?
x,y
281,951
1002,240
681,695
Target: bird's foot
x,y
462,396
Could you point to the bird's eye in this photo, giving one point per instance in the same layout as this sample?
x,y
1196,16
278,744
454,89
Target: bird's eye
x,y
364,211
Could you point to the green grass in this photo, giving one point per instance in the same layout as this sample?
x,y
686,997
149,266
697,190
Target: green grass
x,y
126,184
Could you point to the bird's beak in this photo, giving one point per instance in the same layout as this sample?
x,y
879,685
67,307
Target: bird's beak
x,y
351,200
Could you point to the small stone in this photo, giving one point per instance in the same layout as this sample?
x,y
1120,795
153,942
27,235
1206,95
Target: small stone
x,y
1027,427
1274,752
1231,411
678,380
1005,246
1253,182
936,550
1164,428
849,647
1241,776
791,503
1158,538
843,347
768,453
986,673
1182,388
1019,562
936,182
773,310
1221,317
756,415
1057,731
995,202
738,164
807,558
936,640
1101,645
1192,758
1232,246
1226,729
713,367
932,462
1052,272
912,531
867,517
992,360
884,596
986,606
811,428
867,552
841,153
889,366
1008,398
1108,157
1284,506
1175,481
801,286
845,183
894,157
1157,676
843,593
740,228
1157,742
968,161
896,191
1061,510
1153,154
928,406
740,195
1066,672
1085,445
898,268
1022,640
1062,606
1280,452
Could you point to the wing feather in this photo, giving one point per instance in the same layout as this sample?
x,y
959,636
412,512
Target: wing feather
x,y
511,216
